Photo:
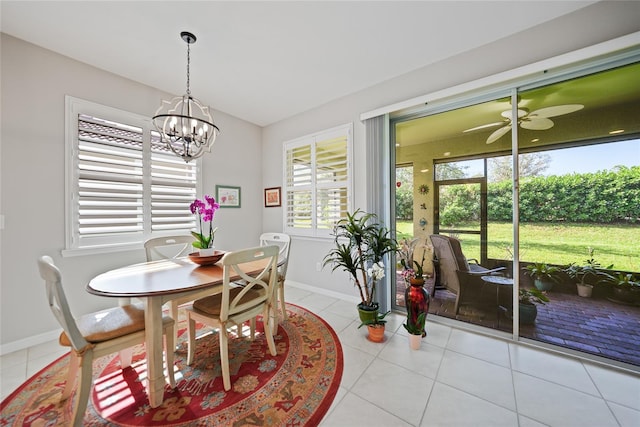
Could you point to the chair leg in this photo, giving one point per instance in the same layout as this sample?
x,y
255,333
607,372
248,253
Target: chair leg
x,y
126,355
273,319
282,302
72,375
173,308
267,330
191,333
84,387
168,351
224,358
456,307
252,328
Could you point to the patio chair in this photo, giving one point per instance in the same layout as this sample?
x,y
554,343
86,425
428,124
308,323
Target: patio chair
x,y
457,274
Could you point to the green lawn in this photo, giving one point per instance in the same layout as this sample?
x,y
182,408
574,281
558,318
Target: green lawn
x,y
556,243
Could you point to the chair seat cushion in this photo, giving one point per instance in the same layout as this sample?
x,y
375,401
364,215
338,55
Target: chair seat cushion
x,y
211,305
111,323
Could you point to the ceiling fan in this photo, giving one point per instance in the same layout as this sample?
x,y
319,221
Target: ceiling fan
x,y
534,120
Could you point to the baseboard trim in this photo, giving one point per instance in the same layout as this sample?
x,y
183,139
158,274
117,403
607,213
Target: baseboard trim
x,y
322,291
29,342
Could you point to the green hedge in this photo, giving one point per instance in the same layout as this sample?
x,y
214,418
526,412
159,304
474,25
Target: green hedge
x,y
600,197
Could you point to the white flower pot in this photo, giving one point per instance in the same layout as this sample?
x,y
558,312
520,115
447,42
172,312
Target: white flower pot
x,y
207,252
584,290
415,341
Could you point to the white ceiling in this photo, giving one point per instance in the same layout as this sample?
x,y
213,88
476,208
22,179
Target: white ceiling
x,y
266,61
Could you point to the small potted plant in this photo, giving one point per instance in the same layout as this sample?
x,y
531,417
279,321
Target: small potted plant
x,y
361,245
416,330
580,273
376,327
625,287
544,275
528,300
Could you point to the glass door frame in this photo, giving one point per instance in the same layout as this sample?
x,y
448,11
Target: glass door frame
x,y
483,211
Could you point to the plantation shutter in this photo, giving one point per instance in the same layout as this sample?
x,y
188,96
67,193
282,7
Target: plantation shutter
x,y
299,187
110,188
173,189
332,178
317,180
124,185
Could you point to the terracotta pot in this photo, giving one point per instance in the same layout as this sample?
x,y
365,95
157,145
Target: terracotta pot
x,y
376,333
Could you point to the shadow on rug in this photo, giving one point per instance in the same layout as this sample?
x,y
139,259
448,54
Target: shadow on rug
x,y
296,387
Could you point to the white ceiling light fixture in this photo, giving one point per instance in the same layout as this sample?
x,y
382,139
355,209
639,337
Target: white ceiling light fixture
x,y
535,120
185,125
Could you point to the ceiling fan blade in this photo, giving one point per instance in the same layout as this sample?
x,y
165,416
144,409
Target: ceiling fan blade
x,y
557,110
498,134
536,123
483,126
507,113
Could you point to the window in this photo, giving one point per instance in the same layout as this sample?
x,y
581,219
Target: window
x,y
123,185
317,179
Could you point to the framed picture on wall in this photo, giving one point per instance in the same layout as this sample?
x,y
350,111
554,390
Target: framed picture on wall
x,y
227,196
272,197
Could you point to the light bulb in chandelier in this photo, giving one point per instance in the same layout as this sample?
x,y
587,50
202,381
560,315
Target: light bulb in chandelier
x,y
185,125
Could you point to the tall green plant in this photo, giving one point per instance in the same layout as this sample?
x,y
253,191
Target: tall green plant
x,y
361,244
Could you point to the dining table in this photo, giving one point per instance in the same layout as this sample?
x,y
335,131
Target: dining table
x,y
156,283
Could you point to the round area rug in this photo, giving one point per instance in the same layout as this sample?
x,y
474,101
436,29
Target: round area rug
x,y
293,388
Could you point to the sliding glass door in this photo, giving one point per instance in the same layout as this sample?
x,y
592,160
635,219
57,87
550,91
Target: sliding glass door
x,y
578,187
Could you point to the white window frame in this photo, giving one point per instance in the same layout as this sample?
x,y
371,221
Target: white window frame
x,y
314,187
105,244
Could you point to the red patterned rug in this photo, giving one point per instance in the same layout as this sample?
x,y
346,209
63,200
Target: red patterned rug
x,y
294,388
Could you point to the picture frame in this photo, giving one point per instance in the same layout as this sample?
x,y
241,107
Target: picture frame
x,y
228,196
272,197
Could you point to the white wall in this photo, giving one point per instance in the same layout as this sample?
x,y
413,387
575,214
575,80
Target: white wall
x,y
586,27
34,84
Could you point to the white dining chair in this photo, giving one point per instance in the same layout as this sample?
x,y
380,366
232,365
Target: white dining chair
x,y
96,335
171,247
237,304
283,241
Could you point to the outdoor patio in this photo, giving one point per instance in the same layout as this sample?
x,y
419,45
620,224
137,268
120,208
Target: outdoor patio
x,y
593,325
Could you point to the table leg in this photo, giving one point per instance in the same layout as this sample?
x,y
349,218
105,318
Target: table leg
x,y
153,344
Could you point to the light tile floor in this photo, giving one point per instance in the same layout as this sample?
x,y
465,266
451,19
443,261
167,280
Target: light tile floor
x,y
457,378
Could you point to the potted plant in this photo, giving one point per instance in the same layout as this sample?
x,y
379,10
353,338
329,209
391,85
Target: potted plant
x,y
361,245
625,287
205,209
416,330
544,275
376,327
579,273
528,298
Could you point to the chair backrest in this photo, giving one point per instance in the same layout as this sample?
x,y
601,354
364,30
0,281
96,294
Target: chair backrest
x,y
257,289
168,247
58,302
448,262
283,241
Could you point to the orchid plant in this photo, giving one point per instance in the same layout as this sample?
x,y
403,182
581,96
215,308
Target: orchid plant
x,y
405,252
205,209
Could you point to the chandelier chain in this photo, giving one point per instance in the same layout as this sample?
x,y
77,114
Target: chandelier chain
x,y
188,63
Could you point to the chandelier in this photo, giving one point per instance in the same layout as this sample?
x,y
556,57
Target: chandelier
x,y
185,125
